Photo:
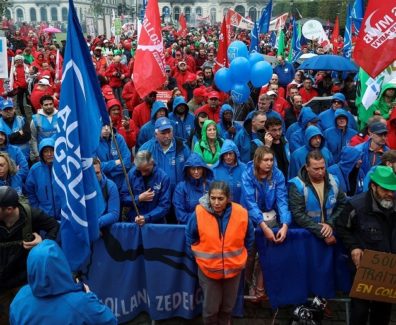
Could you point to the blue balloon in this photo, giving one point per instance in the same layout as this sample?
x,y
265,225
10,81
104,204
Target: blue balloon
x,y
240,70
240,93
237,49
255,57
222,79
260,74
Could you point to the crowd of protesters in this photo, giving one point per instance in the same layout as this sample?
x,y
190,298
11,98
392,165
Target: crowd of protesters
x,y
286,163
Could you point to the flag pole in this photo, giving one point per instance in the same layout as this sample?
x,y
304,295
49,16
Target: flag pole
x,y
124,169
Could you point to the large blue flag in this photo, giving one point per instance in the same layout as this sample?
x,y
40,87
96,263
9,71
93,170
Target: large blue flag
x,y
272,39
296,40
82,110
357,15
348,35
254,43
265,18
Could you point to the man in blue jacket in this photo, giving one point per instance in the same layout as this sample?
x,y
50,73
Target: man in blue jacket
x,y
373,149
229,169
326,117
52,296
39,188
227,127
151,191
169,153
338,136
285,71
314,140
110,195
348,171
109,157
183,120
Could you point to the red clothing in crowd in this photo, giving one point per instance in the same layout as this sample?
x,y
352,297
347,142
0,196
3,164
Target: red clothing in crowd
x,y
213,115
141,114
130,135
107,93
20,76
130,95
308,95
100,64
281,105
281,91
39,92
392,130
121,69
181,78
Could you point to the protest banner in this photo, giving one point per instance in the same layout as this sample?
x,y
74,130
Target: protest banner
x,y
376,277
164,95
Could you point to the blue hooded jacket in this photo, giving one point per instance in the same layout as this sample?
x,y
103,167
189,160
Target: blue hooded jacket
x,y
52,296
244,140
108,155
298,157
348,159
224,134
367,156
172,162
17,155
147,131
156,210
17,125
296,125
327,116
335,138
264,196
182,128
39,186
111,197
297,139
189,191
230,174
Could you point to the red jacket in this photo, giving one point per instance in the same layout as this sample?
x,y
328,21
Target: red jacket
x,y
130,135
20,76
213,115
392,130
281,105
181,79
121,69
141,114
307,96
37,93
107,93
130,95
100,64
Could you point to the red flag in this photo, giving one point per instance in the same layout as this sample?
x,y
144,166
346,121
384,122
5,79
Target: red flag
x,y
222,59
183,26
334,36
149,67
376,45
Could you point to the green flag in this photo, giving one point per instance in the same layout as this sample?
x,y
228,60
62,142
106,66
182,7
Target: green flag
x,y
281,42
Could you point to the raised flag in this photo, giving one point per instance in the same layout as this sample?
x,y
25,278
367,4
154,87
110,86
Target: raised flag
x,y
265,19
82,110
295,50
236,20
376,45
224,41
278,22
272,39
357,15
182,26
280,44
348,35
254,43
149,72
334,36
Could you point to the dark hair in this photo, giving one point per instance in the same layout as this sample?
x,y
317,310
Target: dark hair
x,y
272,121
46,97
388,157
257,113
96,161
314,155
222,186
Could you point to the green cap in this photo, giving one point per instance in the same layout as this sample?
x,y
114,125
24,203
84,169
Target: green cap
x,y
384,177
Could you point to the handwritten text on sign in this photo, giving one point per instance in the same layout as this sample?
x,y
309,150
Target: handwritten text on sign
x,y
376,277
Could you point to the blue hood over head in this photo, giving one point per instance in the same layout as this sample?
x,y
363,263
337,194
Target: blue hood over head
x,y
196,160
49,273
312,131
229,145
224,109
348,158
156,107
306,116
340,112
46,142
179,100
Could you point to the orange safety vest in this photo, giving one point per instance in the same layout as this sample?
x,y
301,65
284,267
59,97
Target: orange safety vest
x,y
218,256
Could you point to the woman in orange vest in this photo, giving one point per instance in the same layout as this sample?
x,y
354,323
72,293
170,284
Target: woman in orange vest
x,y
219,233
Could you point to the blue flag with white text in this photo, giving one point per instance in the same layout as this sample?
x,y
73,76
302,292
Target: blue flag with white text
x,y
357,15
265,19
348,35
81,112
296,41
254,43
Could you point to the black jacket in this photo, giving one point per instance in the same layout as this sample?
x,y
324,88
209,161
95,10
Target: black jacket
x,y
363,224
13,258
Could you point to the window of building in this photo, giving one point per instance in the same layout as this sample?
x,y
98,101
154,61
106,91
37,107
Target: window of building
x,y
213,16
64,14
176,13
253,14
43,14
33,14
198,12
240,10
54,14
187,14
19,14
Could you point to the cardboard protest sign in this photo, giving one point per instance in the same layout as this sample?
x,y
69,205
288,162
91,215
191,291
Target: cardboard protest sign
x,y
376,277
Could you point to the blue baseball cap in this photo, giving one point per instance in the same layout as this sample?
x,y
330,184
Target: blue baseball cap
x,y
8,103
163,123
